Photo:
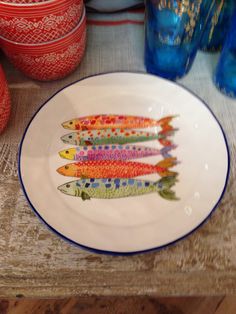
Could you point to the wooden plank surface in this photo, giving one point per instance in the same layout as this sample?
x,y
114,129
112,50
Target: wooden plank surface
x,y
35,262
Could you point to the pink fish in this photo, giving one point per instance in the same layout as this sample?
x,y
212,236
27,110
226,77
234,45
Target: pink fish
x,y
113,152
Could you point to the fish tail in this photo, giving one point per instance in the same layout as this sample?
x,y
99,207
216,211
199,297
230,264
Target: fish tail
x,y
163,166
167,132
167,163
163,137
167,173
166,149
164,188
165,142
164,123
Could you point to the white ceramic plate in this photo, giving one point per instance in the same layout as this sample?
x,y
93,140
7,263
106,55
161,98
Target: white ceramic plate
x,y
133,224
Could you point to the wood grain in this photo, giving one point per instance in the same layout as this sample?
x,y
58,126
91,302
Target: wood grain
x,y
34,262
137,305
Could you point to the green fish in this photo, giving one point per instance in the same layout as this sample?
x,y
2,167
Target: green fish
x,y
115,136
119,188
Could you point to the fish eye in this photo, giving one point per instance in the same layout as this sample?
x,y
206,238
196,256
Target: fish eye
x,y
68,185
67,152
66,167
70,136
71,122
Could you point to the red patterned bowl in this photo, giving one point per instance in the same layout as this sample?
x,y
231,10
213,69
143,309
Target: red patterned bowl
x,y
39,22
24,1
4,101
51,60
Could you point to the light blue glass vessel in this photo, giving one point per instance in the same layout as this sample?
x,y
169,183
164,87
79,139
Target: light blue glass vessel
x,y
225,75
216,29
173,30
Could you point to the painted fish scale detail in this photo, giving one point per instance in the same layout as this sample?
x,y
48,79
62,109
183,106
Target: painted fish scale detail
x,y
115,169
114,136
113,152
99,122
118,188
113,155
102,150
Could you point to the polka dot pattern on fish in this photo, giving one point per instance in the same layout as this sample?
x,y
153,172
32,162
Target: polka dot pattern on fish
x,y
102,153
113,152
113,122
121,136
117,169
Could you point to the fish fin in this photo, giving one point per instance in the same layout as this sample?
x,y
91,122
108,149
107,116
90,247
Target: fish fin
x,y
85,196
167,132
88,143
167,173
167,163
164,123
165,151
168,195
164,188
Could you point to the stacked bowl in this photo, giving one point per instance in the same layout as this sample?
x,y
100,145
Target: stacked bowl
x,y
45,39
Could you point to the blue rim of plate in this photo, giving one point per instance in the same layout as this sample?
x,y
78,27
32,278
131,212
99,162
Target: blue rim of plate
x,y
94,250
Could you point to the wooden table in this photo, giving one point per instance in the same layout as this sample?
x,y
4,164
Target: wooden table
x,y
36,262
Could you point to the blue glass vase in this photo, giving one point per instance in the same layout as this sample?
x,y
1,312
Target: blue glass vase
x,y
225,75
173,30
217,26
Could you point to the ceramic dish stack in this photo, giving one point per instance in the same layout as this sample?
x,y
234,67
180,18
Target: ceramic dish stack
x,y
45,39
4,101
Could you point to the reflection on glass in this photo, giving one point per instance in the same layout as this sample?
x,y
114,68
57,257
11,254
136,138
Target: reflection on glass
x,y
217,26
173,33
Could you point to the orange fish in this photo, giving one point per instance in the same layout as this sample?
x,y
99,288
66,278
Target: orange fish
x,y
103,121
117,169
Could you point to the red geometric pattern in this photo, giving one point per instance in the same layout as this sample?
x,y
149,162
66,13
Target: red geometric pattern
x,y
50,66
39,24
5,106
24,1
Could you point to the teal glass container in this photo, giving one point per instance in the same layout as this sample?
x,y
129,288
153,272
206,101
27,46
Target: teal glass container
x,y
217,26
173,31
225,75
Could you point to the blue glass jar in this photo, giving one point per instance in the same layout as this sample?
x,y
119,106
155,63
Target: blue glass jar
x,y
225,75
217,26
173,30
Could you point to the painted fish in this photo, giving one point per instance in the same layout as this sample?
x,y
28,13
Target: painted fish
x,y
117,169
113,152
115,136
118,188
104,121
